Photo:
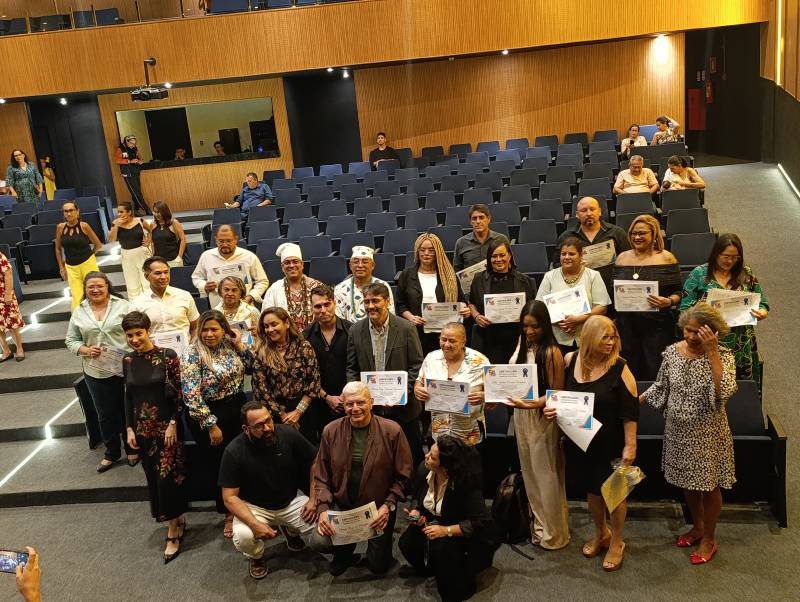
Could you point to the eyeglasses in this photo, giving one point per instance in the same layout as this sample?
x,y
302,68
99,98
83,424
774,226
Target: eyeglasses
x,y
259,426
609,338
349,405
730,257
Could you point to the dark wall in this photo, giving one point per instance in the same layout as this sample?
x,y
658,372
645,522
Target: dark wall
x,y
785,148
733,119
323,119
72,136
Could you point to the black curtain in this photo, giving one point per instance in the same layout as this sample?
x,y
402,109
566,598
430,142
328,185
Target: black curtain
x,y
323,119
72,136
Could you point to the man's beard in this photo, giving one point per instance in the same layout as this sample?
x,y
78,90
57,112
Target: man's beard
x,y
262,442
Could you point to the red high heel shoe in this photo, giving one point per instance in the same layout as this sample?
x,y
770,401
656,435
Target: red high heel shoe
x,y
700,559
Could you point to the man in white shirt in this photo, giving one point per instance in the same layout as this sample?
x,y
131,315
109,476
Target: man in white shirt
x,y
293,292
636,178
169,309
228,259
349,292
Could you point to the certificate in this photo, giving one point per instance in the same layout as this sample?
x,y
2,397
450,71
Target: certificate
x,y
231,269
244,328
447,396
467,275
503,308
352,526
501,381
569,302
735,306
631,295
436,315
387,388
177,340
109,360
599,255
574,415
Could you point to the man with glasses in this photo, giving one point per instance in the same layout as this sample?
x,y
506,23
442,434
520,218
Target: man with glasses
x,y
349,292
362,458
261,472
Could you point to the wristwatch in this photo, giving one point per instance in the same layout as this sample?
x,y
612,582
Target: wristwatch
x,y
391,506
449,532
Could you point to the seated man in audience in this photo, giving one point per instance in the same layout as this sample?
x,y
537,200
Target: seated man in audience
x,y
219,149
170,309
344,477
592,230
472,248
386,342
261,471
636,178
382,153
228,259
253,194
293,291
349,292
328,336
180,154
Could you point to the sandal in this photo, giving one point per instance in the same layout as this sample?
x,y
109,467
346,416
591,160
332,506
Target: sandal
x,y
609,565
170,557
227,530
696,558
6,358
258,568
593,548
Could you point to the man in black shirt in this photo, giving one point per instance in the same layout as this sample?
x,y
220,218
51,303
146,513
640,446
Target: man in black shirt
x,y
382,153
261,471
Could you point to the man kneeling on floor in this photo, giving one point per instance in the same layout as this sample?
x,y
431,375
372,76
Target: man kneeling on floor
x,y
261,472
362,458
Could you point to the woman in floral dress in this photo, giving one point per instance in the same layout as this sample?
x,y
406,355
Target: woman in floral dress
x,y
10,318
153,404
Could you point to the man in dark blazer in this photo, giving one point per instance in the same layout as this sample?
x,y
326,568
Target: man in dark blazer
x,y
384,342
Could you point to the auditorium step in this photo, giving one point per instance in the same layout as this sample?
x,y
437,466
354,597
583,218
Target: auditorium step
x,y
53,288
25,414
48,369
63,472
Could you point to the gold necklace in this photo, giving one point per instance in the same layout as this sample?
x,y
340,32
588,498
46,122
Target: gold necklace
x,y
571,281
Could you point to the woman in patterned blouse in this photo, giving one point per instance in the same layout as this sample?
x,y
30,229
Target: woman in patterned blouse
x,y
285,371
212,375
23,178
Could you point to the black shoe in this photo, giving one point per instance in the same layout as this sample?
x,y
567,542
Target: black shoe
x,y
294,542
170,557
104,467
407,571
134,461
341,564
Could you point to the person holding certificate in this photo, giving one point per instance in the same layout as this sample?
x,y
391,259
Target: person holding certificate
x,y
472,248
94,327
727,270
541,454
451,535
293,291
153,405
645,334
454,361
694,384
497,341
350,292
430,280
362,458
568,313
597,368
236,311
212,376
170,309
285,371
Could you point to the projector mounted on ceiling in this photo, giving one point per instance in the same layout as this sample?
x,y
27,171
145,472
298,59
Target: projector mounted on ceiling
x,y
148,92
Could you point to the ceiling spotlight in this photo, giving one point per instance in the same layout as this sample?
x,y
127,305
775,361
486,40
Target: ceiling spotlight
x,y
329,70
504,52
345,74
62,101
167,85
2,101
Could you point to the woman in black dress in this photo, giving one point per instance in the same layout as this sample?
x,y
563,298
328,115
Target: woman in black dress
x,y
153,404
169,239
597,368
498,341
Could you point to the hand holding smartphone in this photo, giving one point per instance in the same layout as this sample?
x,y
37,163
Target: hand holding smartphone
x,y
11,559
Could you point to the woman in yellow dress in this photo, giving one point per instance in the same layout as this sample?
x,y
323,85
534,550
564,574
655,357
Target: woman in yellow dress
x,y
49,177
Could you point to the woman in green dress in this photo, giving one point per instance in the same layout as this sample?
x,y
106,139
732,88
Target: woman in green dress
x,y
23,178
726,270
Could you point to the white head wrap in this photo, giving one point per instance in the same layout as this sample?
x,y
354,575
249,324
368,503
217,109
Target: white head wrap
x,y
289,249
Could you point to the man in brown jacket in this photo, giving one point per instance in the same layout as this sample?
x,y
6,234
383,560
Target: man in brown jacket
x,y
362,458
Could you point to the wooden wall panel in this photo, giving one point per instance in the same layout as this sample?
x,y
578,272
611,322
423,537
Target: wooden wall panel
x,y
349,33
15,132
571,89
790,49
148,9
199,186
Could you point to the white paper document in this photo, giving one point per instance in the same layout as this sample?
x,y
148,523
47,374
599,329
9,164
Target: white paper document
x,y
109,360
177,340
599,255
631,295
467,275
501,381
231,269
352,526
574,415
447,396
569,302
436,315
387,388
244,328
735,306
503,308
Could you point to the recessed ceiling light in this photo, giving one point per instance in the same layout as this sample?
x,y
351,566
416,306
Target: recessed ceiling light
x,y
329,70
345,74
2,101
62,101
504,52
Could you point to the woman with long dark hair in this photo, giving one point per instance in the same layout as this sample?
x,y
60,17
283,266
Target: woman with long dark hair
x,y
23,179
133,234
79,244
129,159
541,455
167,235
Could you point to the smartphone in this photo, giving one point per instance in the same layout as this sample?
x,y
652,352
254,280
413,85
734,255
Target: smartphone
x,y
10,559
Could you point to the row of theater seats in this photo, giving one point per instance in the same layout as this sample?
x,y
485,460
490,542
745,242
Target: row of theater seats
x,y
221,7
78,19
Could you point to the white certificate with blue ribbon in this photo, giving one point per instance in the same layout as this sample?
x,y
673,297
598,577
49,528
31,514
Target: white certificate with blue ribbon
x,y
569,302
388,388
501,381
447,396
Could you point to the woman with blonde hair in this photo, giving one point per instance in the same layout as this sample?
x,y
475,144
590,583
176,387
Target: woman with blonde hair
x,y
645,334
285,371
431,279
597,368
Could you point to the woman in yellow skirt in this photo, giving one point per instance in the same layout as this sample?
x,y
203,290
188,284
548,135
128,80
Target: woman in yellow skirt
x,y
79,243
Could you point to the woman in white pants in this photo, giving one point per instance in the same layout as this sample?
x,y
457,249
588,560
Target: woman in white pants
x,y
133,234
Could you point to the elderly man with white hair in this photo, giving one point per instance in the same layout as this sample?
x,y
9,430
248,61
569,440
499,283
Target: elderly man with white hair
x,y
362,458
293,291
349,293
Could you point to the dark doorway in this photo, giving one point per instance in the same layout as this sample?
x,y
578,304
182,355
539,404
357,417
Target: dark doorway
x,y
323,119
168,129
230,141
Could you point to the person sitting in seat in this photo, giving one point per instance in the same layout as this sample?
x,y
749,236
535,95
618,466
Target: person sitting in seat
x,y
253,194
667,131
680,176
637,178
349,292
383,152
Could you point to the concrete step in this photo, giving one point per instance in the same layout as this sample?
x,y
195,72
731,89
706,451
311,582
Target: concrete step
x,y
47,369
45,335
54,288
26,414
